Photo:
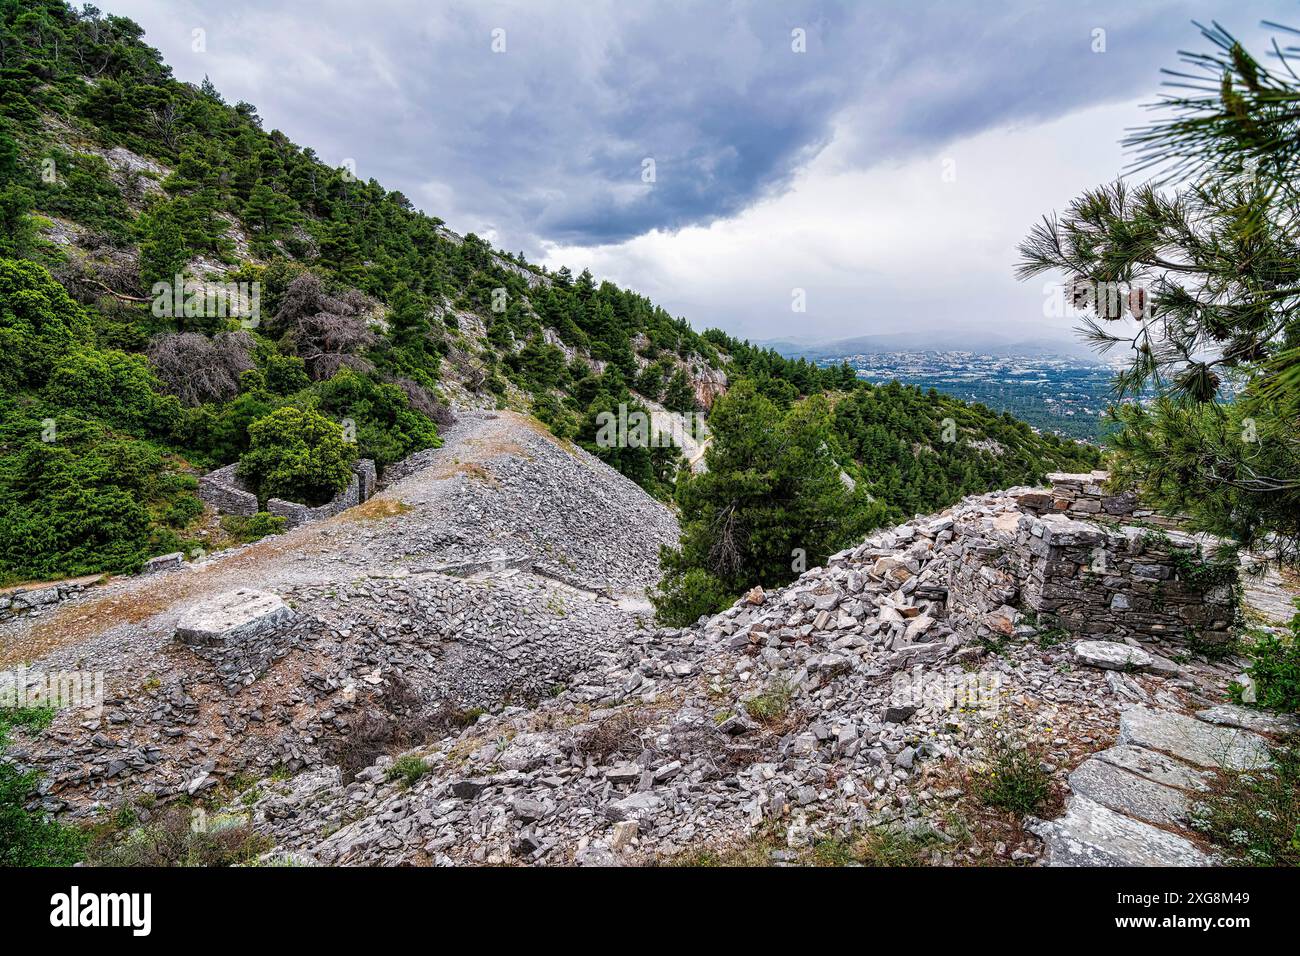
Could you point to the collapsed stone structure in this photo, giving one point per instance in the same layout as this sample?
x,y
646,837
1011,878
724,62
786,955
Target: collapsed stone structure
x,y
224,491
875,663
1090,578
1085,496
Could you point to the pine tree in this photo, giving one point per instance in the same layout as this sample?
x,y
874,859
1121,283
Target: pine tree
x,y
770,505
1202,286
679,396
268,212
408,319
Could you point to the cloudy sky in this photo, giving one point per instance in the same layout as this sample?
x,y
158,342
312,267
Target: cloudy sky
x,y
882,157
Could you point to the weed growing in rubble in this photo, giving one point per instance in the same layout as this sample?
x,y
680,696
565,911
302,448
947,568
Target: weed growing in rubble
x,y
1208,649
767,846
1274,670
880,846
408,770
175,836
244,529
771,706
995,644
1014,779
1050,631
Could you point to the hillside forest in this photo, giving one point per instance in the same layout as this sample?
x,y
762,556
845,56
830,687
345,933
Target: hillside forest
x,y
321,318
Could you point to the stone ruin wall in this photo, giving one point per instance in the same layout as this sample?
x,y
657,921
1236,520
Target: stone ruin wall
x,y
223,491
1092,575
28,599
1085,496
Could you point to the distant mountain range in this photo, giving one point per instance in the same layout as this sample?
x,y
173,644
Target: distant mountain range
x,y
959,341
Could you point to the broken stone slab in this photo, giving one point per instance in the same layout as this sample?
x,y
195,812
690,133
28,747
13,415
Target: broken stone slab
x,y
1192,740
527,809
623,773
493,561
910,654
35,598
165,562
1111,655
625,831
468,789
1090,834
1129,794
1163,666
1034,500
637,806
1003,620
1230,715
897,713
1155,766
918,626
231,618
595,855
737,724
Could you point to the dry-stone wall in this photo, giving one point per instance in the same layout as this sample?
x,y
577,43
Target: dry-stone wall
x,y
34,599
1093,579
224,491
1086,496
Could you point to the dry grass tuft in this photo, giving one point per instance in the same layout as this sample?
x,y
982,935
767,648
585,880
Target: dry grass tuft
x,y
376,509
618,733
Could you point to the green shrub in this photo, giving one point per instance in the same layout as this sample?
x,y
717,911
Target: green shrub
x,y
283,374
771,706
770,504
221,431
387,428
39,324
177,505
118,388
78,498
298,455
1275,671
29,837
253,527
408,770
17,225
682,599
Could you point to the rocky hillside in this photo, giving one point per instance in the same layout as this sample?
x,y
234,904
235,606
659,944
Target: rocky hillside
x,y
444,676
453,590
861,700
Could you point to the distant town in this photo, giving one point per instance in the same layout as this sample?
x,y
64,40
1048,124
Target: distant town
x,y
1058,394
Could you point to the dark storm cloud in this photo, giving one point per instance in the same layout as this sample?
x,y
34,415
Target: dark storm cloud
x,y
546,141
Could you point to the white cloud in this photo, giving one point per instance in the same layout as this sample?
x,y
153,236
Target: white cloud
x,y
820,171
887,249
